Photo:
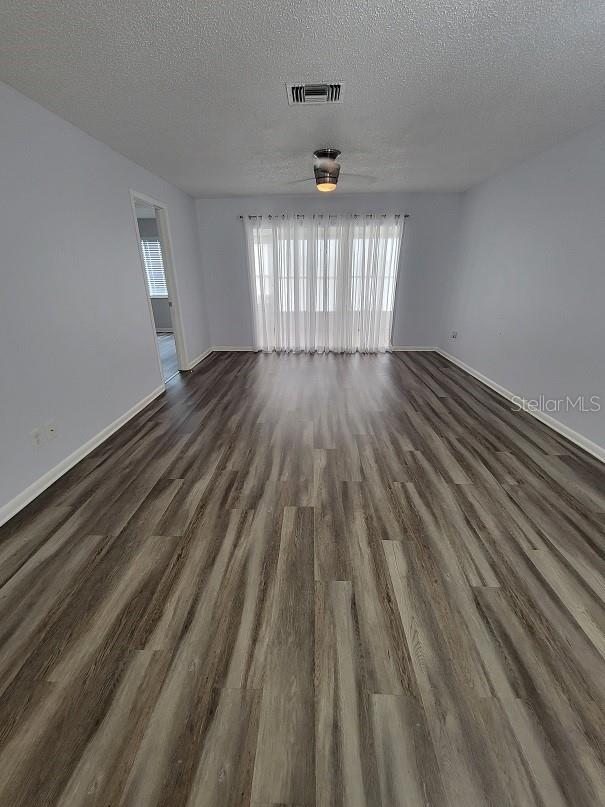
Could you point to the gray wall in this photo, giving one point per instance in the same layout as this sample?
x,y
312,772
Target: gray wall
x,y
528,291
161,314
426,257
72,353
148,228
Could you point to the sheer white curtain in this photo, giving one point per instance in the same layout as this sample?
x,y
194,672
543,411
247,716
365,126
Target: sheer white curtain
x,y
323,283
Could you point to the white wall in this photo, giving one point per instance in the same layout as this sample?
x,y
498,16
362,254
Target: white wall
x,y
70,352
428,248
528,294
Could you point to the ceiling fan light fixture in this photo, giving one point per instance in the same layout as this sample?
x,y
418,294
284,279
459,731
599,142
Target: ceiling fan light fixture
x,y
326,169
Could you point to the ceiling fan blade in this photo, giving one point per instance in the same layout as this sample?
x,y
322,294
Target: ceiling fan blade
x,y
296,181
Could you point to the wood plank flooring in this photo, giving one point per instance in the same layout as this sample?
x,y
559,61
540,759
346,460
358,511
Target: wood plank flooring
x,y
310,581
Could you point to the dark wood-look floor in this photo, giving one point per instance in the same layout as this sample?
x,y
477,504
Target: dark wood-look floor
x,y
313,581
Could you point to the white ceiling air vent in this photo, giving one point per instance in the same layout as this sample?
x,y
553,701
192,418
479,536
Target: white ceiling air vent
x,y
315,93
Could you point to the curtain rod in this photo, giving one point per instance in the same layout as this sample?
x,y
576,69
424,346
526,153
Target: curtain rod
x,y
330,216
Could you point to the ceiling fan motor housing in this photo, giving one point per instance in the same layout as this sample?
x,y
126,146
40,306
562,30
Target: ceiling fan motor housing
x,y
326,169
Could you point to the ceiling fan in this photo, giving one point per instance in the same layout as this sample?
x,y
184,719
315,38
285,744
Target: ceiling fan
x,y
326,170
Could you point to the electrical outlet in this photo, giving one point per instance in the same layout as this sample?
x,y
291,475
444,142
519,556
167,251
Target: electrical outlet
x,y
454,334
51,431
36,437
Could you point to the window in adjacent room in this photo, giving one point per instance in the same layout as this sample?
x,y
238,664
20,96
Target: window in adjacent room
x,y
154,267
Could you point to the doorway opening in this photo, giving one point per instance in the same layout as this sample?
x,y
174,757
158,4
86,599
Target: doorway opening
x,y
153,234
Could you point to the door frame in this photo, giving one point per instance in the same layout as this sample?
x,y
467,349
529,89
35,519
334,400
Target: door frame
x,y
170,274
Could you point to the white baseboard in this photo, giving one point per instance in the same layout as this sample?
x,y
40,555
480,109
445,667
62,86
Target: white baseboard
x,y
200,358
395,348
39,486
506,393
210,350
575,437
235,348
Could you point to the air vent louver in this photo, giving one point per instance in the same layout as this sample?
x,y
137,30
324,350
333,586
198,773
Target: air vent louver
x,y
314,93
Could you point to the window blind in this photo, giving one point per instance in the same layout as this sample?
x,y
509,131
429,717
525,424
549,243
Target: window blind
x,y
154,267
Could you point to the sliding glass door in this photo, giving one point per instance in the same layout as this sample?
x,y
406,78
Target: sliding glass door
x,y
324,283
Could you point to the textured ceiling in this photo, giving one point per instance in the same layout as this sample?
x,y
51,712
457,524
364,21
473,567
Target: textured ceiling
x,y
439,94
